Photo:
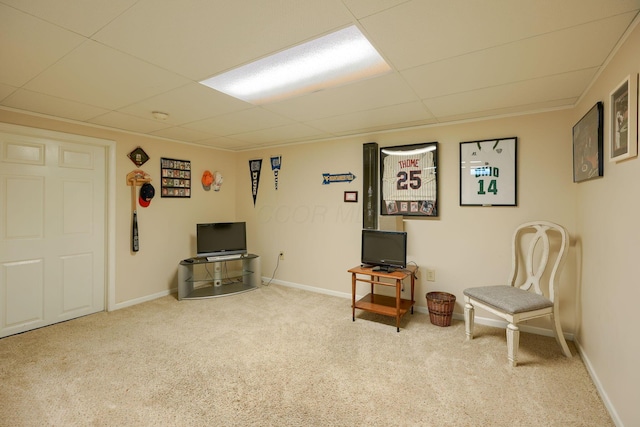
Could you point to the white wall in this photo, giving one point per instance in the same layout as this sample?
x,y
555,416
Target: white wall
x,y
608,210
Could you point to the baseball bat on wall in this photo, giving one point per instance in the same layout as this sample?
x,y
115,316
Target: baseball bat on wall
x,y
134,179
135,243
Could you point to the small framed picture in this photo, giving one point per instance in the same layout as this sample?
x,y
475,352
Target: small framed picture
x,y
587,145
351,196
138,157
488,172
623,116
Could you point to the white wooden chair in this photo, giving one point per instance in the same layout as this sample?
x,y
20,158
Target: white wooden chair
x,y
536,295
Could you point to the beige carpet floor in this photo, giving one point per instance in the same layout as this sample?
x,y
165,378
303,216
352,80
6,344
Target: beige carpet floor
x,y
279,356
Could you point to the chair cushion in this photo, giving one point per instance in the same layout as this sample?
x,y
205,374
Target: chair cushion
x,y
508,299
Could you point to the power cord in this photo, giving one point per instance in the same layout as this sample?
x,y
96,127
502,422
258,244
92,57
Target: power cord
x,y
274,271
415,274
417,268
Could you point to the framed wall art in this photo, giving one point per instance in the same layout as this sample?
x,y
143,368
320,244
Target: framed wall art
x,y
176,178
408,178
138,156
351,196
623,116
488,172
588,145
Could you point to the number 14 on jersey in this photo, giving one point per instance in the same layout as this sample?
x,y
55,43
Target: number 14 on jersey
x,y
487,177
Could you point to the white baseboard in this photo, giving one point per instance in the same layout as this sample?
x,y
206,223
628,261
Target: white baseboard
x,y
603,394
267,280
135,301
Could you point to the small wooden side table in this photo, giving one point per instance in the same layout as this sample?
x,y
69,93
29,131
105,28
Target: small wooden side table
x,y
382,304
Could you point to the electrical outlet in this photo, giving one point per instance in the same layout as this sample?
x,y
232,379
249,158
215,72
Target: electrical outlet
x,y
281,256
431,275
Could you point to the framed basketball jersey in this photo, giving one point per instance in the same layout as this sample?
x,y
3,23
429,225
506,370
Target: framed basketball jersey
x,y
408,178
488,172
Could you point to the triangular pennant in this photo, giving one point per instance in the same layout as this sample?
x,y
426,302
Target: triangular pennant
x,y
276,162
254,169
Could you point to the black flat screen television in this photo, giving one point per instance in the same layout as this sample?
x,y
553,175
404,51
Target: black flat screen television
x,y
384,250
221,238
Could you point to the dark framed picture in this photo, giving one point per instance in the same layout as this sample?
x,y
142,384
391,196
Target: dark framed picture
x,y
488,172
176,178
588,145
623,116
409,180
351,196
138,156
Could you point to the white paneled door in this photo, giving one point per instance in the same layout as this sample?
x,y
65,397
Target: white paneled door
x,y
53,228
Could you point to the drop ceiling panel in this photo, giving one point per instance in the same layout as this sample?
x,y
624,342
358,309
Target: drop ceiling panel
x,y
226,143
525,59
98,75
213,36
421,32
118,120
189,103
281,134
566,86
28,45
51,105
363,8
182,134
511,110
366,95
83,17
5,91
371,120
252,119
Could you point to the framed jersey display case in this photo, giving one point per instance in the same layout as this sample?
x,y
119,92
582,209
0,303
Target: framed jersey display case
x,y
408,178
488,172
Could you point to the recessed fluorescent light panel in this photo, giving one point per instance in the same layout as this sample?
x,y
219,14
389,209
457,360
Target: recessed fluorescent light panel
x,y
335,59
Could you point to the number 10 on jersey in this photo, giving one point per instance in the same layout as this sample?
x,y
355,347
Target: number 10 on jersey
x,y
488,172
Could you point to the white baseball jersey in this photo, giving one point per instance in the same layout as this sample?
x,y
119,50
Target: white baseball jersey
x,y
410,176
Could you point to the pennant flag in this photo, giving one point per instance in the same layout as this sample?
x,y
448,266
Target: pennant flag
x,y
254,168
328,178
276,162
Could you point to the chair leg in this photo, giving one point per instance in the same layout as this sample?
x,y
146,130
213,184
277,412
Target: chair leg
x,y
468,320
557,329
513,341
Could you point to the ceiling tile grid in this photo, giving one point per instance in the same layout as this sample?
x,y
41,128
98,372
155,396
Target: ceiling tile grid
x,y
114,63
